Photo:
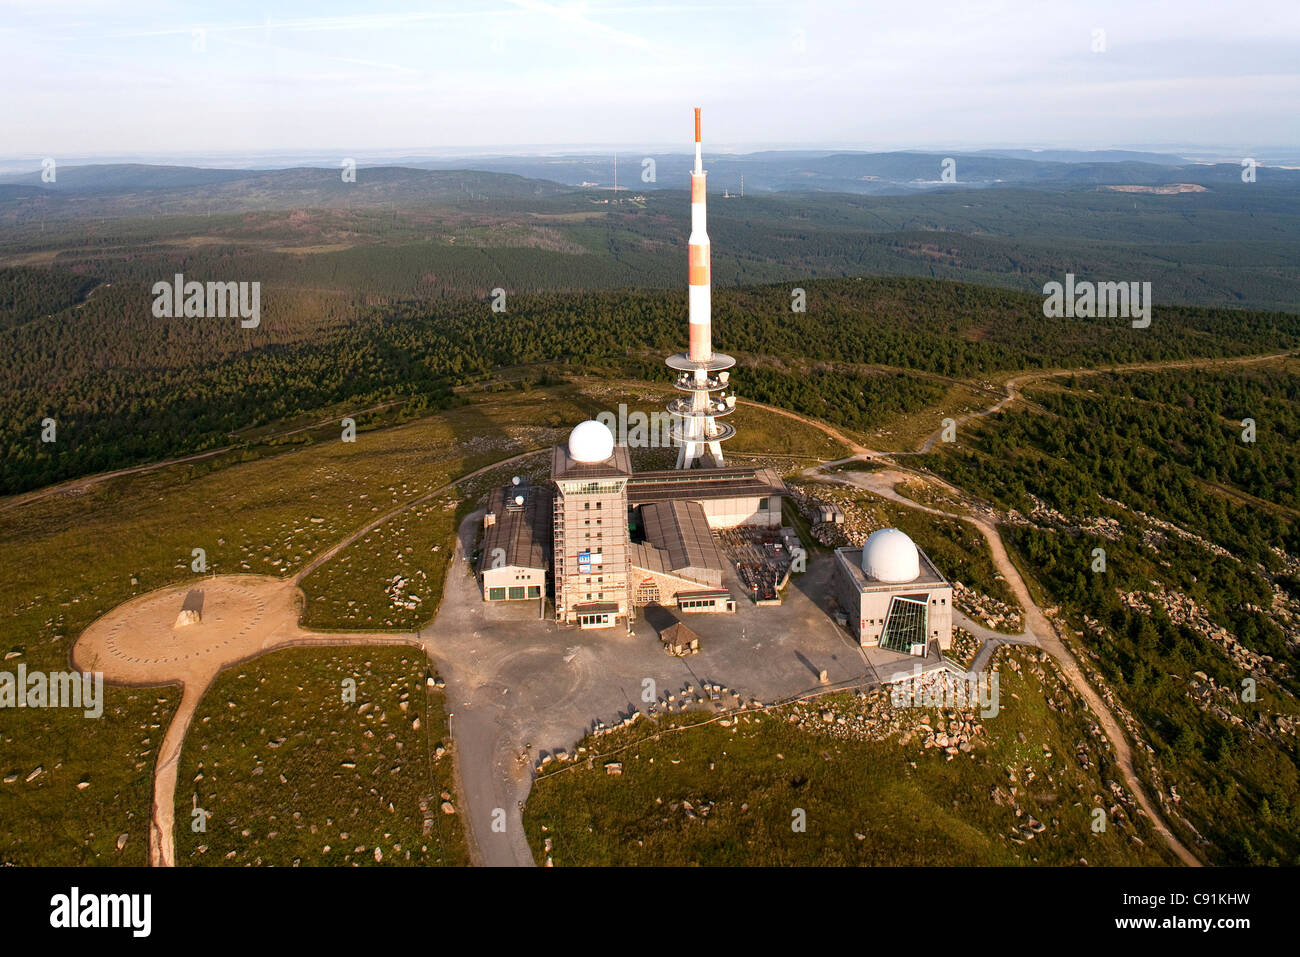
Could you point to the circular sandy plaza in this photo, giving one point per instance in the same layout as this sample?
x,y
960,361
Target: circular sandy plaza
x,y
190,631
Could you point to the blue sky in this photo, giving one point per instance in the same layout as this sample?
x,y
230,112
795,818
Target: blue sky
x,y
92,77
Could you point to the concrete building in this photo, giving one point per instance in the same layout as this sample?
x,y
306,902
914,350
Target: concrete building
x,y
894,596
590,534
678,563
623,540
732,496
515,553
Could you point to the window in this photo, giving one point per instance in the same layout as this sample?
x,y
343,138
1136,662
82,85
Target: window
x,y
688,604
534,591
905,624
496,594
516,592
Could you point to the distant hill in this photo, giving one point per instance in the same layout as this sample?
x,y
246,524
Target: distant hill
x,y
882,174
1089,156
138,189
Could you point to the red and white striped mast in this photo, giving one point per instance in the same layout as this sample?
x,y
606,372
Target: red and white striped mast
x,y
701,369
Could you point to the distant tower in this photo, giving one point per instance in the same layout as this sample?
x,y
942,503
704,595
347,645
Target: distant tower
x,y
701,371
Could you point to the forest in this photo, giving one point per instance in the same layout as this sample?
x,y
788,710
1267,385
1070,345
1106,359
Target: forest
x,y
125,387
1169,445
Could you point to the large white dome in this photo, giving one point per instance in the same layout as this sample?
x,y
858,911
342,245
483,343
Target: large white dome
x,y
890,556
591,441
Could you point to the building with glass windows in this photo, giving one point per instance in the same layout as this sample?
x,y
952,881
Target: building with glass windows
x,y
613,539
515,552
894,596
591,545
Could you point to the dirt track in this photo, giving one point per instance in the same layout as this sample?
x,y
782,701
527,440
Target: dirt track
x,y
139,642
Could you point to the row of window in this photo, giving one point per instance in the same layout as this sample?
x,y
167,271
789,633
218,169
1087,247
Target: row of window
x,y
515,593
686,604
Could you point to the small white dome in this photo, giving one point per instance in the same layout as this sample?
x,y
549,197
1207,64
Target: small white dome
x,y
591,441
890,556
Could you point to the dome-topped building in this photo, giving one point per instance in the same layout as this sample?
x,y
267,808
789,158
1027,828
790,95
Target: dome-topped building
x,y
591,442
890,556
899,599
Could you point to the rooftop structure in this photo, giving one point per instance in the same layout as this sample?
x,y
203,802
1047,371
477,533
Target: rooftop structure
x,y
681,531
888,555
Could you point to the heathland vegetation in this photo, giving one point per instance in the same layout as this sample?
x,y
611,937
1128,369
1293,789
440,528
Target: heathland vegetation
x,y
789,787
366,307
1191,616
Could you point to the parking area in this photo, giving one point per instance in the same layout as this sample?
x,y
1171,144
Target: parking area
x,y
519,685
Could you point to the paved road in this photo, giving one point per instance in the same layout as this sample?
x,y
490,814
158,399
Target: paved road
x,y
519,686
1036,623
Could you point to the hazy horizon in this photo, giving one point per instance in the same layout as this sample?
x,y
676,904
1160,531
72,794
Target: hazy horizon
x,y
525,77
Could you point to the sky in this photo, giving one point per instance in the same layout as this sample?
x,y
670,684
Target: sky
x,y
104,77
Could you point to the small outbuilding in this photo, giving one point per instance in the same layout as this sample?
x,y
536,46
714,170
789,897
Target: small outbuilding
x,y
679,641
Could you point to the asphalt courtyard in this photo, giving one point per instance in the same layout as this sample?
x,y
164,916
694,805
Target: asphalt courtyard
x,y
520,685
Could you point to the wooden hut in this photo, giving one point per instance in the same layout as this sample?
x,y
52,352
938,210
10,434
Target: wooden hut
x,y
679,640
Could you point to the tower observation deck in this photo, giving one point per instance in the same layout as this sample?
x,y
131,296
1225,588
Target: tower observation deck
x,y
701,372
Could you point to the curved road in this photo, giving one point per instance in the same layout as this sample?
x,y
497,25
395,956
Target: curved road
x,y
1036,623
1038,630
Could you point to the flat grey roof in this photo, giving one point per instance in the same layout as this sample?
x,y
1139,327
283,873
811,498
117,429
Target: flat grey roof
x,y
565,468
671,484
524,533
596,608
852,559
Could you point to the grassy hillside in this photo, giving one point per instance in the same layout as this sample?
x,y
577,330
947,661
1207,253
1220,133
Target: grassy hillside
x,y
727,792
1193,622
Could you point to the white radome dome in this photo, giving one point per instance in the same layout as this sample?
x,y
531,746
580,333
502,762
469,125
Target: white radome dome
x,y
591,441
890,556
